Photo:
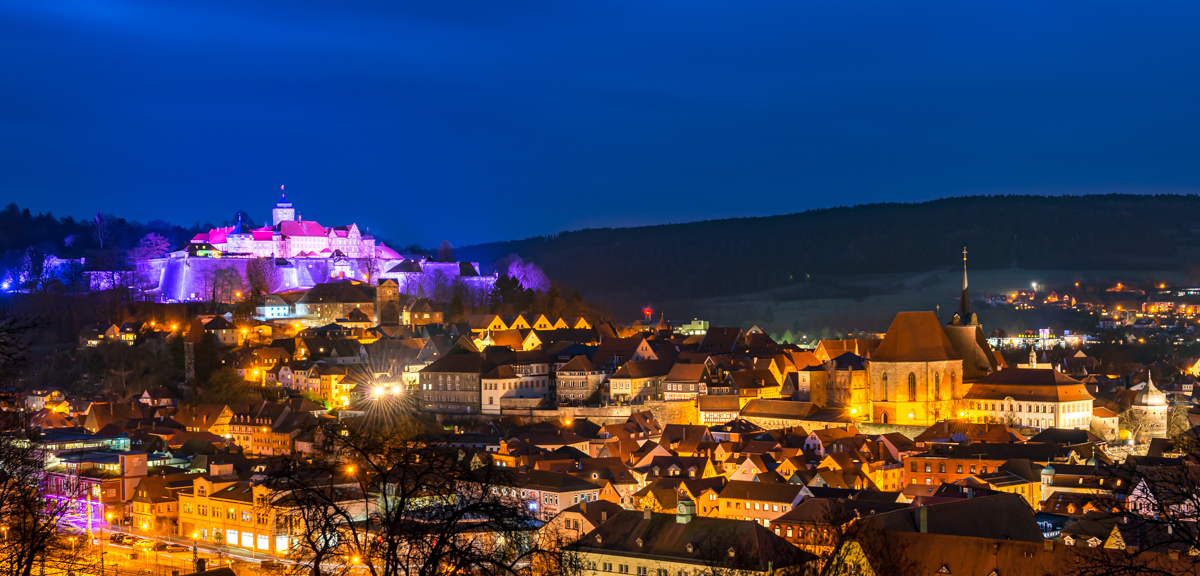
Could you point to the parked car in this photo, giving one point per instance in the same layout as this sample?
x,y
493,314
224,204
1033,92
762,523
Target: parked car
x,y
117,538
177,548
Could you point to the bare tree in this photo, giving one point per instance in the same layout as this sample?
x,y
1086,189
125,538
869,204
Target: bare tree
x,y
1154,530
440,284
370,267
15,331
228,285
405,505
1134,421
263,275
101,232
150,246
33,505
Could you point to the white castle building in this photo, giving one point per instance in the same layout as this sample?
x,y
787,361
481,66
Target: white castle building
x,y
288,237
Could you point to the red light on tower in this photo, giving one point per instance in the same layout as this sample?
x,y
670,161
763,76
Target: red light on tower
x,y
646,312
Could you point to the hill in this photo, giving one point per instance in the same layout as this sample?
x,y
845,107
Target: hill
x,y
812,249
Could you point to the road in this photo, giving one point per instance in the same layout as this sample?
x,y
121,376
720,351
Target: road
x,y
118,557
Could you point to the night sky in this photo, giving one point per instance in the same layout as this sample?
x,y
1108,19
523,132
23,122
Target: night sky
x,y
476,121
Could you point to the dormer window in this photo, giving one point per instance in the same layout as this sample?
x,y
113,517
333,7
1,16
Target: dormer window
x,y
690,548
731,553
639,542
599,539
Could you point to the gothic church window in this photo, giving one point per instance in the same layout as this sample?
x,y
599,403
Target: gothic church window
x,y
912,387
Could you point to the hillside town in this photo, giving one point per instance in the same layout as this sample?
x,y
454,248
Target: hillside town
x,y
615,448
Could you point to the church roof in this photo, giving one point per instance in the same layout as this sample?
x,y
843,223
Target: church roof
x,y
915,337
968,340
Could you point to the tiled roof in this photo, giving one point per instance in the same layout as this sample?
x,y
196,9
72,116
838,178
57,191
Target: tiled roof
x,y
664,537
915,337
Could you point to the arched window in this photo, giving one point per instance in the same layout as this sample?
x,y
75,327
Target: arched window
x,y
937,385
885,418
953,385
884,395
912,387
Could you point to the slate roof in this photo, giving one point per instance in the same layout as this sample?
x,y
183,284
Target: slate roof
x,y
758,491
578,364
996,517
783,409
662,536
643,369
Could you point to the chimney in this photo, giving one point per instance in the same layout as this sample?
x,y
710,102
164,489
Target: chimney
x,y
583,506
646,514
603,516
923,520
1048,545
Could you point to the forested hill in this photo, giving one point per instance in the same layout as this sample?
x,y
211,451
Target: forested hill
x,y
734,256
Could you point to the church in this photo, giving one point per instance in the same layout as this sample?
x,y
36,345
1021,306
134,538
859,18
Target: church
x,y
923,370
288,237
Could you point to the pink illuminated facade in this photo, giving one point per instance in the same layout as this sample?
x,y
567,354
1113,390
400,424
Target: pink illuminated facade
x,y
288,237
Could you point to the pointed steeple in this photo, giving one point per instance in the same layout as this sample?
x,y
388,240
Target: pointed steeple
x,y
964,299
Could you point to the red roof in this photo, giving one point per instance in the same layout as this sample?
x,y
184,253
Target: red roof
x,y
302,228
915,337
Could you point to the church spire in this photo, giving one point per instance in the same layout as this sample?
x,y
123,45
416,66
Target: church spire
x,y
964,300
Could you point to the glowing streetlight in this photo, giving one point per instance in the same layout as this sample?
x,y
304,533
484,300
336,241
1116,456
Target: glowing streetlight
x,y
195,552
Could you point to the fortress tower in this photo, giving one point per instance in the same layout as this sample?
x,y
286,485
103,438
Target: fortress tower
x,y
283,211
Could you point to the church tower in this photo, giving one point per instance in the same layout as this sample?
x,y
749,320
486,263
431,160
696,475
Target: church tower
x,y
964,316
966,334
283,210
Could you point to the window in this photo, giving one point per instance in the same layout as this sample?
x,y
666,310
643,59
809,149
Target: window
x,y
232,514
912,466
884,391
959,470
928,467
912,387
941,467
937,385
972,468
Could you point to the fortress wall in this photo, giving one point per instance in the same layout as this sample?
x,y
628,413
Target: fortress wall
x,y
180,278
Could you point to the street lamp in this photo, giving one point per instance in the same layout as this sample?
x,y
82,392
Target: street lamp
x,y
195,553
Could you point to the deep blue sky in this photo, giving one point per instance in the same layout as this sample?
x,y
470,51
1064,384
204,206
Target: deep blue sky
x,y
475,121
